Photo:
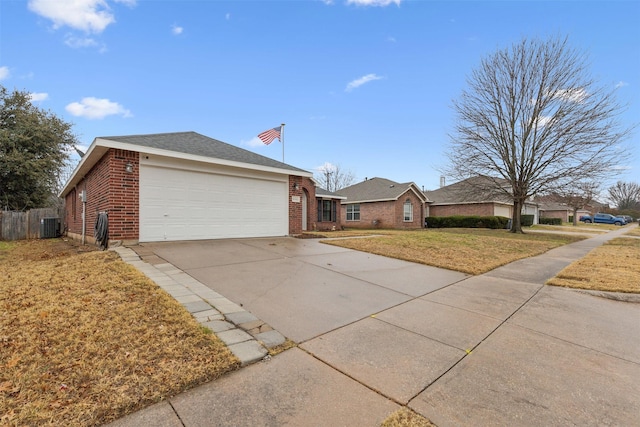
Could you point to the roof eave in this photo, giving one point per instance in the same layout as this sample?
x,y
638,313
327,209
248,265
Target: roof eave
x,y
100,146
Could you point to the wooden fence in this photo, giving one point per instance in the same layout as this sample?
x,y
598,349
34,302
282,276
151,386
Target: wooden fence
x,y
26,225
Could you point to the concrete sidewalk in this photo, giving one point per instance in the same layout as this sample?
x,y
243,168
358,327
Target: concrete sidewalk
x,y
376,334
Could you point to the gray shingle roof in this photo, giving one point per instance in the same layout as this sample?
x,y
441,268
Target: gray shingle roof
x,y
472,190
376,189
200,145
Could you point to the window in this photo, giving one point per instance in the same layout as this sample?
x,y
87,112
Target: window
x,y
408,211
353,212
326,210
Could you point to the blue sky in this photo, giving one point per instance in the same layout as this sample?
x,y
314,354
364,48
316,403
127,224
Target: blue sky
x,y
365,84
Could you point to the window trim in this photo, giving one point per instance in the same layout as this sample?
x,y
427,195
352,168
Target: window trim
x,y
332,210
352,210
404,211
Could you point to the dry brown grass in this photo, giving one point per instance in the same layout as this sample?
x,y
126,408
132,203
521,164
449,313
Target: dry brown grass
x,y
570,228
472,251
634,231
612,267
86,338
406,418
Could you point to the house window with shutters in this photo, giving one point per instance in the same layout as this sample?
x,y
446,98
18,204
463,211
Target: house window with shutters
x,y
326,210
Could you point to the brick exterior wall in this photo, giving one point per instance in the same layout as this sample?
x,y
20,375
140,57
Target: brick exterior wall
x,y
317,223
563,215
388,214
109,188
307,187
481,209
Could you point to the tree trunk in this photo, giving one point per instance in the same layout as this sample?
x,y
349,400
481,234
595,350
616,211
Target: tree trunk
x,y
575,217
516,226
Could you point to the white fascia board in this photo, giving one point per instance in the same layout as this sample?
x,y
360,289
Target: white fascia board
x,y
351,202
204,159
82,167
469,203
328,197
413,187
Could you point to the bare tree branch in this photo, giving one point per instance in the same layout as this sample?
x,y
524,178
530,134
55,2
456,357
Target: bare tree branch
x,y
332,177
625,195
533,116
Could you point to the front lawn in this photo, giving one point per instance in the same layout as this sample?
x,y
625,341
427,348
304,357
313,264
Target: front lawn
x,y
471,251
613,267
85,338
570,228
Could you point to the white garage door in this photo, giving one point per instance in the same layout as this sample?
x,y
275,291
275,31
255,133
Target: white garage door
x,y
179,204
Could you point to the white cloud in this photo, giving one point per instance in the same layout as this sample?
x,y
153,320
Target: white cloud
x,y
360,81
572,95
42,96
95,108
91,16
177,30
79,42
621,84
4,73
253,142
326,167
374,2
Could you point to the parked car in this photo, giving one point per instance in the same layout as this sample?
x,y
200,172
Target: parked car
x,y
603,218
627,218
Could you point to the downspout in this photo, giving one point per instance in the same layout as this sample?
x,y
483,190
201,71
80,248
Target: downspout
x,y
83,198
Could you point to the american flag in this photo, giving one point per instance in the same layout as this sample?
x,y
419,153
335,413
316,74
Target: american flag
x,y
269,135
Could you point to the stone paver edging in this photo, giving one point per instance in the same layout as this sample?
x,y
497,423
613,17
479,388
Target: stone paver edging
x,y
245,335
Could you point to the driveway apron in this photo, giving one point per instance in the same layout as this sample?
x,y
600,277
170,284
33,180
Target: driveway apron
x,y
375,334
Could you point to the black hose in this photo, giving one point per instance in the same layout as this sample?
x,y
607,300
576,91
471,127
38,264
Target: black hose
x,y
101,231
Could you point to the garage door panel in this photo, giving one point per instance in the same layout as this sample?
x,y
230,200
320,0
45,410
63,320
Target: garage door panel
x,y
186,205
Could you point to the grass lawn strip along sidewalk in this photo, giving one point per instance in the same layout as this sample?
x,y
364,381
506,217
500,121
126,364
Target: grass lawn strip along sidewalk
x,y
471,251
86,338
612,267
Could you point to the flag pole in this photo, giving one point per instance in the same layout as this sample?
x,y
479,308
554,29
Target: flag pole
x,y
282,140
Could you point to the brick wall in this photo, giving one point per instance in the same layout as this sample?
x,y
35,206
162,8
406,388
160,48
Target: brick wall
x,y
317,223
124,195
305,186
388,214
482,209
109,188
563,215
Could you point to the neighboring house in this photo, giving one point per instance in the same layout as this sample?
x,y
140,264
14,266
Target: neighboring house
x,y
559,210
379,202
185,186
476,196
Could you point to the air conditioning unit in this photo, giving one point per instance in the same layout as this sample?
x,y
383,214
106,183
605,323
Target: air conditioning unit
x,y
49,228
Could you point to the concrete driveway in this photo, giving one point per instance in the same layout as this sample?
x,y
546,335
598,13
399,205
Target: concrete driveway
x,y
375,334
301,287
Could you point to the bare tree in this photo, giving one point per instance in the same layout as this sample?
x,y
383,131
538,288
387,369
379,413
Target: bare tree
x,y
332,177
580,196
533,116
625,195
